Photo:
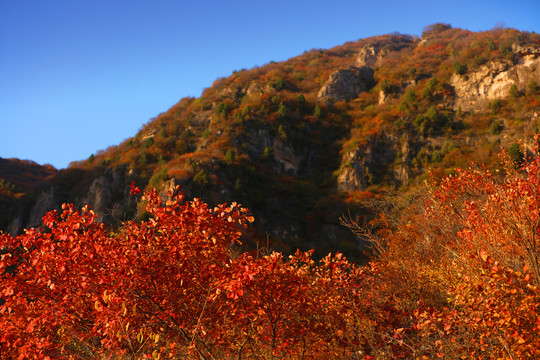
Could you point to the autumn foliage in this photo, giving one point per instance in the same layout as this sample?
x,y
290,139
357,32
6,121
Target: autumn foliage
x,y
466,264
174,287
456,277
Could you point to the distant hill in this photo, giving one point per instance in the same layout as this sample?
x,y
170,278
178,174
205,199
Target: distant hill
x,y
304,141
17,179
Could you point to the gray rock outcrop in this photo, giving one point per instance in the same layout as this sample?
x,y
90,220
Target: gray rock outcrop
x,y
364,164
494,80
108,195
347,84
47,201
373,54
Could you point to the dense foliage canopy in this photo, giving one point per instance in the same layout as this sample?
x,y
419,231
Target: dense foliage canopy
x,y
457,278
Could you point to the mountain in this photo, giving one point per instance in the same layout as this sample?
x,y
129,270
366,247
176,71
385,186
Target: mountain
x,y
325,134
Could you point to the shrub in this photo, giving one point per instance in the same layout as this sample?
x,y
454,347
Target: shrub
x,y
282,134
230,156
282,110
205,133
436,157
515,153
532,86
465,261
278,84
172,286
317,112
459,69
447,147
435,29
268,153
495,127
158,178
201,179
495,106
514,91
223,109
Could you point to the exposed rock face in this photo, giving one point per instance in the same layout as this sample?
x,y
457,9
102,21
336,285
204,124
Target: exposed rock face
x,y
347,84
525,51
108,195
255,87
373,54
46,201
494,80
370,56
286,159
364,164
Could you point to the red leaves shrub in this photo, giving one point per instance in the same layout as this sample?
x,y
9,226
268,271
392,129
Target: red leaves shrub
x,y
174,287
457,278
493,315
79,289
465,265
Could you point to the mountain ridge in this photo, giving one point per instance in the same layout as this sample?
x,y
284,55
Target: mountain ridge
x,y
303,141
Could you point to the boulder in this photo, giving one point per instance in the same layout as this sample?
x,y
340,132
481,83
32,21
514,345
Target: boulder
x,y
347,84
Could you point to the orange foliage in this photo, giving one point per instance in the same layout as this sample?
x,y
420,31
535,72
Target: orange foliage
x,y
173,287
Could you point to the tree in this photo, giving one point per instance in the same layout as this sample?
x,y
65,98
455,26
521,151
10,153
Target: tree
x,y
435,29
466,263
201,179
514,91
282,110
175,287
459,69
230,156
282,134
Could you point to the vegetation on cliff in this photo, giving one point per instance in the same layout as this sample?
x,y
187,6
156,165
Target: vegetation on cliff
x,y
379,133
456,277
264,137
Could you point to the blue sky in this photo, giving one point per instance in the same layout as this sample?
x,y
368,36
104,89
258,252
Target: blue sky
x,y
78,76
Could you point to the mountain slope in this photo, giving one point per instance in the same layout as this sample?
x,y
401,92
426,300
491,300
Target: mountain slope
x,y
17,179
303,141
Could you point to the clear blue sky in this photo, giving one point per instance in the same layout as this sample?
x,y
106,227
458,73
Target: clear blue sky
x,y
79,75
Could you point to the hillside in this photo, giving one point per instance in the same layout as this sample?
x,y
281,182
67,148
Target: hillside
x,y
17,179
327,133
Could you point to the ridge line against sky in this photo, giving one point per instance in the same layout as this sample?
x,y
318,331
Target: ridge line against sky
x,y
79,76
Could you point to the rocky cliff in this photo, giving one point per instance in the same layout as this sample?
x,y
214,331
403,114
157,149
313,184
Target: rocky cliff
x,y
495,79
347,84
